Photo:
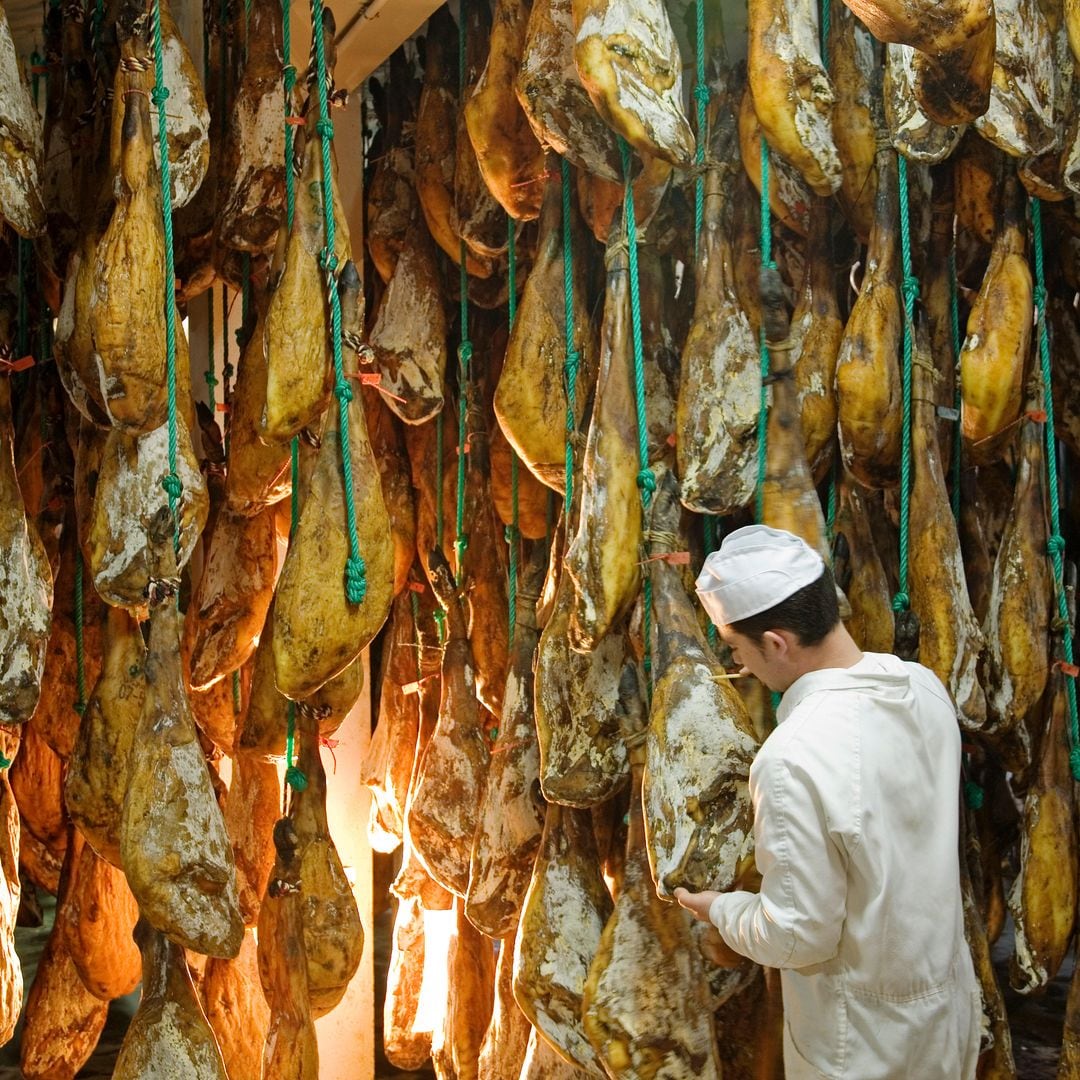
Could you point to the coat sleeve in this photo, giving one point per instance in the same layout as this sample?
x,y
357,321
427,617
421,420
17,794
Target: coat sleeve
x,y
797,917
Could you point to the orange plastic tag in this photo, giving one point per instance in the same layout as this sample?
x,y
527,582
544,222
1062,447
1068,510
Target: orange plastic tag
x,y
1067,669
672,558
296,121
24,363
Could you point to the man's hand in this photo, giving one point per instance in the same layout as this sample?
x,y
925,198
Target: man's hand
x,y
697,903
718,952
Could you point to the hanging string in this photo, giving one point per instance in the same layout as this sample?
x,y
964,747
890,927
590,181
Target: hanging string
x,y
954,322
294,777
159,95
464,352
645,478
1056,542
513,532
910,290
571,356
355,571
701,97
763,348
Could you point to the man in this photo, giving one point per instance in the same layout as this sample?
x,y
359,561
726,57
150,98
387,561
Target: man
x,y
856,817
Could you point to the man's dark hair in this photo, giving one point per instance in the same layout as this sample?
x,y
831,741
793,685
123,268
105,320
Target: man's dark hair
x,y
810,613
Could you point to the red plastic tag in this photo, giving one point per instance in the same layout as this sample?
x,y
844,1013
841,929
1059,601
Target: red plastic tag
x,y
22,364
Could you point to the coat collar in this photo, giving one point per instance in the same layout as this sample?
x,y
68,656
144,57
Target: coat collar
x,y
867,673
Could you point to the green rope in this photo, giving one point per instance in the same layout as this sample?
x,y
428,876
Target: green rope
x,y
355,573
159,95
763,348
289,79
571,357
513,532
826,27
701,97
211,378
1056,542
830,513
645,478
710,546
80,655
910,290
36,60
954,320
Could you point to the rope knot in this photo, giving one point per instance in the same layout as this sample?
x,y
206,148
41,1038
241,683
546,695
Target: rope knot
x,y
79,707
159,95
702,93
464,353
973,795
646,480
325,128
461,543
5,762
173,486
295,778
328,261
910,288
211,380
1055,544
343,391
571,365
355,580
511,534
901,602
1040,298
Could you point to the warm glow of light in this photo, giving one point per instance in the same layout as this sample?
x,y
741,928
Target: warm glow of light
x,y
439,927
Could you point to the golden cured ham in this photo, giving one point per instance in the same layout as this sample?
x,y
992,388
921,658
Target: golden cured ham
x,y
1043,897
299,356
169,1035
556,104
316,640
1017,625
646,1006
855,70
252,170
793,96
716,418
236,1010
508,832
868,388
1020,116
251,808
97,919
627,58
228,606
291,1051
404,1046
444,805
601,558
21,203
955,42
950,641
127,495
36,785
699,744
173,843
507,1035
542,1063
564,914
995,353
860,574
409,335
530,397
26,585
912,132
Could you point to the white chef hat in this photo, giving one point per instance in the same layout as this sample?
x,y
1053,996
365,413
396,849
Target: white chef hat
x,y
755,568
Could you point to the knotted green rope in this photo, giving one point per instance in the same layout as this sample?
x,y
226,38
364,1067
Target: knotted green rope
x,y
159,95
701,98
571,357
513,532
1056,542
355,572
826,28
954,323
645,478
910,290
763,348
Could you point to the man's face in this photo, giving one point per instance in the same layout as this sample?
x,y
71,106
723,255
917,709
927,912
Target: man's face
x,y
768,660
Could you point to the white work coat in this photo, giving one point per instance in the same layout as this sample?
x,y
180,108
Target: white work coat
x,y
856,815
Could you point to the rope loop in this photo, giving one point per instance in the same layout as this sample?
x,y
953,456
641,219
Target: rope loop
x,y
325,128
5,762
328,262
910,288
465,352
295,778
355,579
511,534
1040,298
702,93
159,95
343,392
901,602
646,480
1055,544
974,795
173,486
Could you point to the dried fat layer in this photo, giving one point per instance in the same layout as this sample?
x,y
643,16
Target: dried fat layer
x,y
228,607
236,1010
409,335
542,1063
251,808
26,586
556,104
128,494
913,133
562,920
169,1035
793,97
1020,118
20,145
628,60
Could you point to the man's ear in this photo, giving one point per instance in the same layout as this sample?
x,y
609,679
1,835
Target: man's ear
x,y
776,642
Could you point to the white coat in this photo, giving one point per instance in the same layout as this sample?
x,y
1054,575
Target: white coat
x,y
856,816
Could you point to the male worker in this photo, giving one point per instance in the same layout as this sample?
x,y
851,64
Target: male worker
x,y
856,808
